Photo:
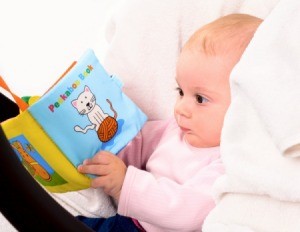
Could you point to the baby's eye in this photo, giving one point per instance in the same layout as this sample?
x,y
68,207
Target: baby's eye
x,y
200,99
180,91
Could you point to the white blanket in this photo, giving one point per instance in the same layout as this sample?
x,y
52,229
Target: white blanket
x,y
260,142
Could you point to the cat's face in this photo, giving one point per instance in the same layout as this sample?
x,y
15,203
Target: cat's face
x,y
85,102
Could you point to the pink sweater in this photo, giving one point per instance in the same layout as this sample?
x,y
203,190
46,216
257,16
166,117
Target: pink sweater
x,y
175,191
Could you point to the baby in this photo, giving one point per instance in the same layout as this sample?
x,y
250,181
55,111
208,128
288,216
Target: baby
x,y
162,180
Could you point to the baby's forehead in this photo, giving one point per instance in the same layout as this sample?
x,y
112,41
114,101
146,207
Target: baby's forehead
x,y
213,46
231,32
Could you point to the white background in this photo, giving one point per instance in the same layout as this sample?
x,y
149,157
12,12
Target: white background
x,y
40,39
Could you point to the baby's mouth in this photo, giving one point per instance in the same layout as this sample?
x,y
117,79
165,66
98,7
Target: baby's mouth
x,y
184,130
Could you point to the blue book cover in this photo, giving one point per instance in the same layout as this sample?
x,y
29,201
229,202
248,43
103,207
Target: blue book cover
x,y
86,111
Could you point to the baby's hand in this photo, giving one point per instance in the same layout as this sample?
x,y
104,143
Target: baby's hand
x,y
110,170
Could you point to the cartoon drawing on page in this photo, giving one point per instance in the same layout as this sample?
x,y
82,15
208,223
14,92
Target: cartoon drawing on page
x,y
105,125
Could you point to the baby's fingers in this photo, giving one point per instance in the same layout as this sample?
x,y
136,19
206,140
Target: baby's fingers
x,y
87,161
103,157
99,170
99,158
88,169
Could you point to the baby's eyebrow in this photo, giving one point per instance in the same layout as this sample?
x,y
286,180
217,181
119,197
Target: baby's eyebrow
x,y
203,90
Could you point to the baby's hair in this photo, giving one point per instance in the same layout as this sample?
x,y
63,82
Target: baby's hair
x,y
233,31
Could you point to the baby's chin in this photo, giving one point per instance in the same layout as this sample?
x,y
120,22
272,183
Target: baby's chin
x,y
198,142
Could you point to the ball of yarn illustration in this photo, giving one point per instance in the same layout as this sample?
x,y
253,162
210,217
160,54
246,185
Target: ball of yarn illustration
x,y
107,129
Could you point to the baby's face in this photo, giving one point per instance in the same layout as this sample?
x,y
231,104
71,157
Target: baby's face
x,y
204,96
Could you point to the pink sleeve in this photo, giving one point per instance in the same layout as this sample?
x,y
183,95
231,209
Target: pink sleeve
x,y
182,207
138,151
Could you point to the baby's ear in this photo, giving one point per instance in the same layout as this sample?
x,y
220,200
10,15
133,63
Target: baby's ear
x,y
74,103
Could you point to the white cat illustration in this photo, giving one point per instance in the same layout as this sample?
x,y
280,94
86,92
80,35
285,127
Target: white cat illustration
x,y
86,105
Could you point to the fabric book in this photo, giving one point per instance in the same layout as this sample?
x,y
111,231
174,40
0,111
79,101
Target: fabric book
x,y
84,112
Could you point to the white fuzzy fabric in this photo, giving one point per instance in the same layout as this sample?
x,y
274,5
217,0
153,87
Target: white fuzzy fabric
x,y
5,225
89,202
145,38
272,83
260,190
